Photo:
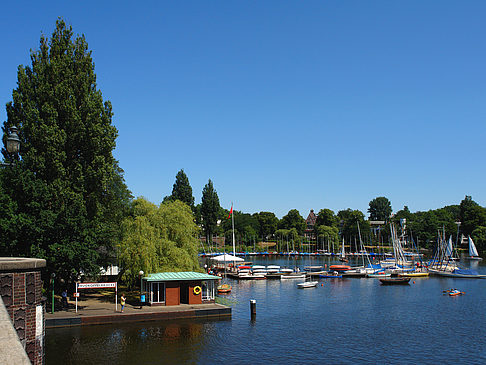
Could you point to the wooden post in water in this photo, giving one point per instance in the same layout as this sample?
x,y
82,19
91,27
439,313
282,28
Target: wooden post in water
x,y
253,308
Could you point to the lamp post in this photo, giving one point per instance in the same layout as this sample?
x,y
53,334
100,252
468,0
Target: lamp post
x,y
53,275
140,273
12,144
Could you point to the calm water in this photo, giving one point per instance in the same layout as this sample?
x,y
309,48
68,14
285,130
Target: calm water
x,y
344,321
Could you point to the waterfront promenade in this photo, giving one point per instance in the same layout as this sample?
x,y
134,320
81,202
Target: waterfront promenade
x,y
96,310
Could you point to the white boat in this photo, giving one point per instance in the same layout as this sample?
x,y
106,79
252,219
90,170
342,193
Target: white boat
x,y
307,284
295,275
473,252
273,269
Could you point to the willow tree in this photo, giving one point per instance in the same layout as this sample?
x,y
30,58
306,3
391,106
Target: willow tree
x,y
158,239
66,194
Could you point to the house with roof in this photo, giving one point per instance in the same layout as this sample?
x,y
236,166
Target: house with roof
x,y
175,288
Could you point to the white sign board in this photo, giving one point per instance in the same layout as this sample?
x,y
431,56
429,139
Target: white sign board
x,y
96,285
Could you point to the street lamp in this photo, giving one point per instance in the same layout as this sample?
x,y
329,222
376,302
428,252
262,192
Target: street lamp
x,y
140,273
12,144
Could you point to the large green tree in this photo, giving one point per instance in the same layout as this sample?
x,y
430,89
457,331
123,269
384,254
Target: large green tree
x,y
182,190
293,219
380,209
158,239
66,195
267,224
210,210
326,217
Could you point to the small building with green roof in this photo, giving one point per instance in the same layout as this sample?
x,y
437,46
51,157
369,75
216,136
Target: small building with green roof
x,y
175,288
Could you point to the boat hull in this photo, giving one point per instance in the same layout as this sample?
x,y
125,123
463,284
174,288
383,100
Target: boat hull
x,y
394,281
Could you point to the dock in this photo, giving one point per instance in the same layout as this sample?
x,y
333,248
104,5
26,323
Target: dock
x,y
95,312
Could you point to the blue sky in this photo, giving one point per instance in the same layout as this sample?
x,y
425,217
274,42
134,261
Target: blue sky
x,y
283,104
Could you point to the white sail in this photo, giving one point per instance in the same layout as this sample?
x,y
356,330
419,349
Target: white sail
x,y
449,247
472,248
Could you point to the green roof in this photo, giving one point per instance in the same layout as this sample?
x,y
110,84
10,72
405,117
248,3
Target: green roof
x,y
178,276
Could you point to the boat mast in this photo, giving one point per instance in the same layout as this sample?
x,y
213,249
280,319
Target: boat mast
x,y
233,226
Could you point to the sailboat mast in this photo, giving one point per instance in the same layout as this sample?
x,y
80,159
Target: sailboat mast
x,y
233,226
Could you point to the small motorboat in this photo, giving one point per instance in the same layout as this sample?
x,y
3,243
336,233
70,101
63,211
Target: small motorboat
x,y
307,284
224,289
340,268
455,292
394,281
379,274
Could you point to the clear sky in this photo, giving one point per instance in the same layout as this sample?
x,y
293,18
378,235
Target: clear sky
x,y
283,104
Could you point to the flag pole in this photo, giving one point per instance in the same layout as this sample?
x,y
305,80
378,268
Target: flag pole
x,y
233,226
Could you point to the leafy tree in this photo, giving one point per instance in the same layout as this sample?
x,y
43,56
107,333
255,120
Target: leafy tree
x,y
210,210
380,209
66,195
293,219
349,220
471,215
479,237
158,239
181,190
267,223
326,217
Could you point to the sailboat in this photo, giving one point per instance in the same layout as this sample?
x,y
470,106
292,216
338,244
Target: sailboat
x,y
343,254
473,252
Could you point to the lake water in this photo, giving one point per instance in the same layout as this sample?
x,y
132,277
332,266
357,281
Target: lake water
x,y
342,321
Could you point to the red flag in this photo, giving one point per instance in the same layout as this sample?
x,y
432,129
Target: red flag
x,y
231,212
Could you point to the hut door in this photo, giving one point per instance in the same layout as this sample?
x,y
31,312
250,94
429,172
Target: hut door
x,y
184,293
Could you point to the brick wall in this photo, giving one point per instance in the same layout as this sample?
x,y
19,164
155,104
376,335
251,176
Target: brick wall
x,y
22,295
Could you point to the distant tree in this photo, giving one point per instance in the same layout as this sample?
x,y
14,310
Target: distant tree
x,y
349,220
158,239
326,217
210,210
479,237
267,223
181,190
66,195
380,209
472,215
293,219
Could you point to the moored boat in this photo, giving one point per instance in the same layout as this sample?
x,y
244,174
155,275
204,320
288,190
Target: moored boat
x,y
307,284
224,288
394,281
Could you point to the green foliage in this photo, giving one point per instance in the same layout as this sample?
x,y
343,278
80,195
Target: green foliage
x,y
328,234
472,215
210,210
349,220
479,237
246,226
326,217
66,197
380,209
158,239
267,224
293,219
181,190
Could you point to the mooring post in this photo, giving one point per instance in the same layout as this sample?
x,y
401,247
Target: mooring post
x,y
253,308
